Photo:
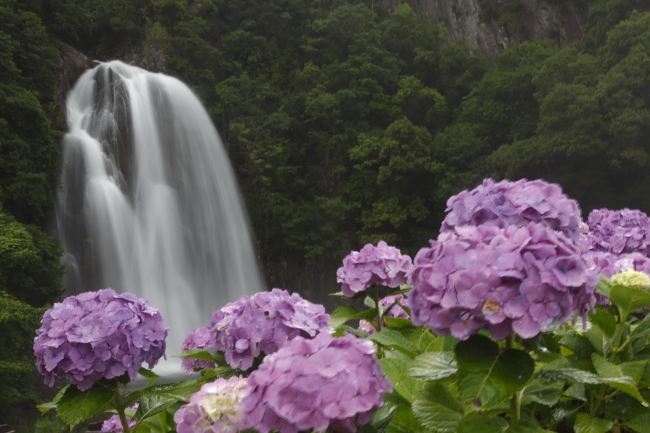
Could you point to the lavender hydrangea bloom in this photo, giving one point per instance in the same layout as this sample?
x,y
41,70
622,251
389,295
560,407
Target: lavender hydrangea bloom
x,y
216,408
262,323
618,231
382,265
505,280
396,311
114,425
200,338
514,203
608,264
98,335
319,384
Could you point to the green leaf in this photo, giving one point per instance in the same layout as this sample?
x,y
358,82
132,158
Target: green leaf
x,y
150,405
640,424
52,404
603,286
204,355
495,375
624,407
398,322
569,370
629,299
585,423
598,340
525,424
426,339
475,422
369,303
433,366
403,421
605,321
476,353
341,315
577,391
579,345
619,376
438,409
181,391
393,339
75,406
546,393
396,369
148,374
642,328
442,344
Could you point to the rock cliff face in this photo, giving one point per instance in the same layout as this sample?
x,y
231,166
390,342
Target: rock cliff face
x,y
490,26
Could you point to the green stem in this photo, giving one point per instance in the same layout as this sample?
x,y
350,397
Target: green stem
x,y
119,407
510,341
515,406
379,319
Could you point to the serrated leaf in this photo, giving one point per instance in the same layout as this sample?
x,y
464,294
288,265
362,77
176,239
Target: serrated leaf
x,y
75,406
640,424
438,409
569,370
585,423
641,329
475,422
629,299
204,355
403,421
616,376
52,404
426,339
578,344
546,393
341,315
395,370
351,330
150,405
599,341
605,321
393,339
624,407
525,424
181,391
433,366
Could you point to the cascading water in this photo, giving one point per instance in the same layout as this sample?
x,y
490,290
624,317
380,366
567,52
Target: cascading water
x,y
149,202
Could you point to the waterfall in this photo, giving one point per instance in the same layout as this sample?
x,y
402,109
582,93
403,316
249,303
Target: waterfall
x,y
148,202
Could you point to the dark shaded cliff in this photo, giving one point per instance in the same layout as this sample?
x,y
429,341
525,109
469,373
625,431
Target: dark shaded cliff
x,y
490,26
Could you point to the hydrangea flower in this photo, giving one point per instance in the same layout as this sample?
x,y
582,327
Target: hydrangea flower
x,y
321,384
382,265
631,278
114,425
98,335
396,311
608,264
618,231
515,203
262,323
215,408
505,280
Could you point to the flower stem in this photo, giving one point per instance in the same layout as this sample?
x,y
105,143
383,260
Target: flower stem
x,y
379,319
119,407
515,406
510,341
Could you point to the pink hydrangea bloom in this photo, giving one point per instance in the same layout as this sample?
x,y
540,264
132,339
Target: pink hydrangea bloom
x,y
263,322
382,265
98,335
320,384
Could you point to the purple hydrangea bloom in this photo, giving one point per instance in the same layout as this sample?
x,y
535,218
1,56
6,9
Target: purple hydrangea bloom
x,y
98,335
514,203
323,383
113,424
395,311
382,265
216,408
618,231
263,322
505,280
200,338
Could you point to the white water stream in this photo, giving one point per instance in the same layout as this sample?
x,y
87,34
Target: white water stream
x,y
149,202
